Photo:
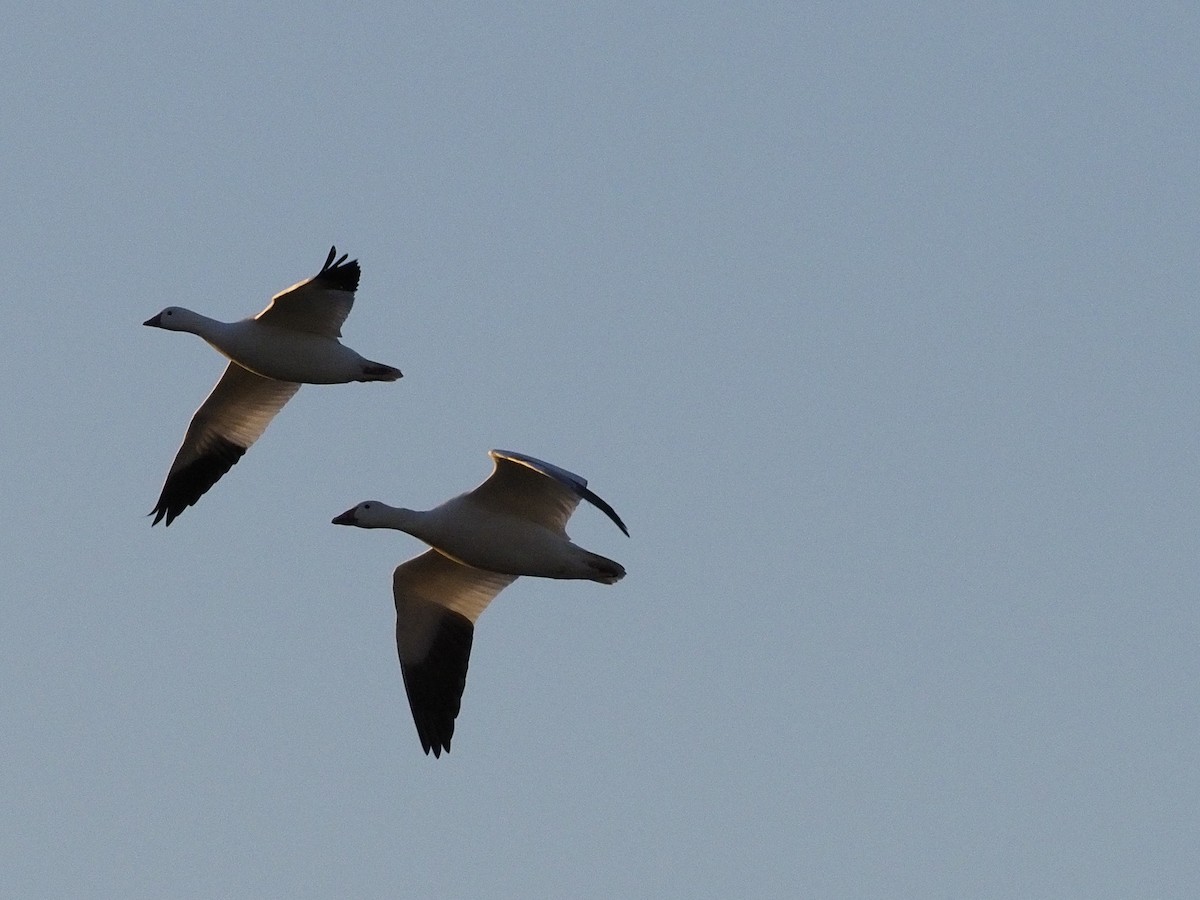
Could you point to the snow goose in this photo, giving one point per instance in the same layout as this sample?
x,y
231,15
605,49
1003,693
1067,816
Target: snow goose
x,y
293,341
512,524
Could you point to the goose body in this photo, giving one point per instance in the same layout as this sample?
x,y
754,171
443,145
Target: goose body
x,y
472,534
293,341
271,351
512,524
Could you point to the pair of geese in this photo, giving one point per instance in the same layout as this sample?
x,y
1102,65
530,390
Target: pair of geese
x,y
512,524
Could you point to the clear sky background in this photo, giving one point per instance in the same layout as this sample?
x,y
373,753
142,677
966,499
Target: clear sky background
x,y
877,325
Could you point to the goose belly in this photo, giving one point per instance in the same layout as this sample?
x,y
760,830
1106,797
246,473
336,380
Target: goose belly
x,y
291,356
515,547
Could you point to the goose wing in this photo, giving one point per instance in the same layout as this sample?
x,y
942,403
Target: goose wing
x,y
232,418
537,490
437,604
320,304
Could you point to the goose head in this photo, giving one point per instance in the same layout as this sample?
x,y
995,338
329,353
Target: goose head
x,y
369,514
175,318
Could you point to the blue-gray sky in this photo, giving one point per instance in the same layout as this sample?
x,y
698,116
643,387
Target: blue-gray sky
x,y
877,325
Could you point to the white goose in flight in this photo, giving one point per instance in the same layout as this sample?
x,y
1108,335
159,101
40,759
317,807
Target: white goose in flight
x,y
293,341
512,524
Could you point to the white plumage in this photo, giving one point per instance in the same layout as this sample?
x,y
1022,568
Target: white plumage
x,y
293,341
512,524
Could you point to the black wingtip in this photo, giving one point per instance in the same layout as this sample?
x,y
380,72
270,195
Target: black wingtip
x,y
435,685
340,275
605,508
189,484
329,260
168,511
435,749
